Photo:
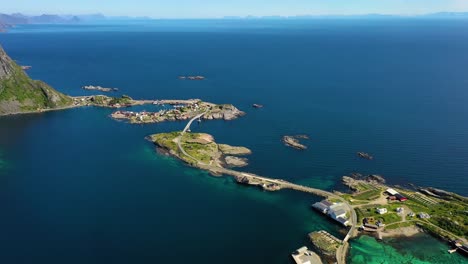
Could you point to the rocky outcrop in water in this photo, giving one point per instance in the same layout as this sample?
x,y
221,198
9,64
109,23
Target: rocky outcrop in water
x,y
226,112
293,141
232,161
365,155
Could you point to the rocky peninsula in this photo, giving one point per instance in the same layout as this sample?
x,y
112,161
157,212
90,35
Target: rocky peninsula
x,y
200,147
20,94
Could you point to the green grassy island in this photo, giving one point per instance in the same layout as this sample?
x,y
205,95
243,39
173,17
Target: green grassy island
x,y
201,149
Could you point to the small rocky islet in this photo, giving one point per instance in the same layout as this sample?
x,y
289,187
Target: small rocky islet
x,y
99,88
364,155
294,141
192,77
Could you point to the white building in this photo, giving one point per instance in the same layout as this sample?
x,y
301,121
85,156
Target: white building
x,y
391,191
382,210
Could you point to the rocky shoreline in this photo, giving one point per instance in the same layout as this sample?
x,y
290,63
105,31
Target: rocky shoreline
x,y
99,88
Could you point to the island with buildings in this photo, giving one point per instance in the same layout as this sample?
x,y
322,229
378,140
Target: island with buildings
x,y
181,110
371,207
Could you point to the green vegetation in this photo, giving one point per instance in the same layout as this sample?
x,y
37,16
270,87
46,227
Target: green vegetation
x,y
124,100
450,216
166,140
371,211
19,93
324,242
436,231
199,147
368,195
400,225
194,144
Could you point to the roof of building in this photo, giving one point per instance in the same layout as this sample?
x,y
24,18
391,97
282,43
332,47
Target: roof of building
x,y
391,191
302,249
320,206
327,203
337,206
342,220
399,196
339,212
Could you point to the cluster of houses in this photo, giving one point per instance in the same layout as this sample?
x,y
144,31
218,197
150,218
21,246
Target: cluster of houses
x,y
336,211
180,112
370,223
139,115
394,195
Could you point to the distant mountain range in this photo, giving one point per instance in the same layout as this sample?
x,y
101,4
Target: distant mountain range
x,y
9,20
447,15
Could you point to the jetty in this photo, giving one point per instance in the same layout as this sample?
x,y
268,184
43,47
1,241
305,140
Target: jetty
x,y
305,256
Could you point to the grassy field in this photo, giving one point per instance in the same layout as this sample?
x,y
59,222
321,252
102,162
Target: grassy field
x,y
370,211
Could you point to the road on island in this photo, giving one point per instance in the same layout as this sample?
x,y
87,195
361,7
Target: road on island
x,y
341,251
187,127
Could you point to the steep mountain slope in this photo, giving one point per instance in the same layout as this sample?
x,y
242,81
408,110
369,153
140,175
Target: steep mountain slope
x,y
19,93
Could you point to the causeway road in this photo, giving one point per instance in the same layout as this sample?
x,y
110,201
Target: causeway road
x,y
341,251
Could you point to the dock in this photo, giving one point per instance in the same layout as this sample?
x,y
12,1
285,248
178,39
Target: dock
x,y
305,256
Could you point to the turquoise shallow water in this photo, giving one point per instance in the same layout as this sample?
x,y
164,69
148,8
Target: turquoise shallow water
x,y
415,250
92,190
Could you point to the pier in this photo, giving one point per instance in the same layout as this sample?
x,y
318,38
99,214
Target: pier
x,y
305,256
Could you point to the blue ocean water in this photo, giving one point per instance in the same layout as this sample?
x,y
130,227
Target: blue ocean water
x,y
79,187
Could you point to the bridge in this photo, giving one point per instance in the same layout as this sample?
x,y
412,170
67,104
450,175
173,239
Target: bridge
x,y
282,184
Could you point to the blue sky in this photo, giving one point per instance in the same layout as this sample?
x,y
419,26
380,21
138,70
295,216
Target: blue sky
x,y
220,8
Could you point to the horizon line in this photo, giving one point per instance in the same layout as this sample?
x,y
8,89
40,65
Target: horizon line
x,y
104,16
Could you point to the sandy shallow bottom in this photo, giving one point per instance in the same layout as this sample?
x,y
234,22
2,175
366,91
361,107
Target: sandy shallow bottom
x,y
402,232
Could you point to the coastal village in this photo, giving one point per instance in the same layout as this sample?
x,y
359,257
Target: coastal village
x,y
181,111
372,207
384,211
